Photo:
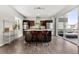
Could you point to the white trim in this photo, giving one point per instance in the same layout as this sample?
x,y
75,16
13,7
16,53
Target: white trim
x,y
1,45
78,26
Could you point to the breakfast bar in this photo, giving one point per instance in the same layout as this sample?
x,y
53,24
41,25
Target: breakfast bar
x,y
37,35
37,31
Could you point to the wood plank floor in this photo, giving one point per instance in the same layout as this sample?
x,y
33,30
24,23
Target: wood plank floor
x,y
56,46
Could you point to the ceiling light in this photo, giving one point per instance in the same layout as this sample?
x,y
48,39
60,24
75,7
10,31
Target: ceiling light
x,y
39,8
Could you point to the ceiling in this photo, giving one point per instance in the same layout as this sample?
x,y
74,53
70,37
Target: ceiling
x,y
39,10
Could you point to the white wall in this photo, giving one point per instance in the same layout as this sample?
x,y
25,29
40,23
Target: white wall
x,y
52,18
1,31
8,14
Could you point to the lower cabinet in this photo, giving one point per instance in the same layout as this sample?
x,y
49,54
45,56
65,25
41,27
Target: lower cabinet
x,y
38,36
9,37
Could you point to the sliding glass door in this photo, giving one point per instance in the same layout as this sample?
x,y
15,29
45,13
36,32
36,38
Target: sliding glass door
x,y
67,26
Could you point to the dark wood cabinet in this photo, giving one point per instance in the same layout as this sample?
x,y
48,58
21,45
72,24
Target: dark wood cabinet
x,y
38,36
31,23
43,23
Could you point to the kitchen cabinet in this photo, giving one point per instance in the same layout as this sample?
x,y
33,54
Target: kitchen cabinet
x,y
38,35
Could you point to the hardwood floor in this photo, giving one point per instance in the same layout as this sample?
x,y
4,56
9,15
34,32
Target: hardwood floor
x,y
56,46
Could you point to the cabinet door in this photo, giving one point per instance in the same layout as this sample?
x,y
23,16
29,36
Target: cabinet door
x,y
6,37
31,23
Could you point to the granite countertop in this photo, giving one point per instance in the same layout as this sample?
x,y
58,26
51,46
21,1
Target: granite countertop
x,y
38,30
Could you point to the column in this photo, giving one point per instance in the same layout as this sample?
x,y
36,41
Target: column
x,y
64,29
55,27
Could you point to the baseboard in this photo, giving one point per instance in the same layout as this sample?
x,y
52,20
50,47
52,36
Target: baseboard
x,y
1,45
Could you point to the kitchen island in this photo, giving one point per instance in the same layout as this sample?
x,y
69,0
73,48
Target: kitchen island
x,y
37,35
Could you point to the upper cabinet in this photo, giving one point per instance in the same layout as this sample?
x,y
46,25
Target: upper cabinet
x,y
29,24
